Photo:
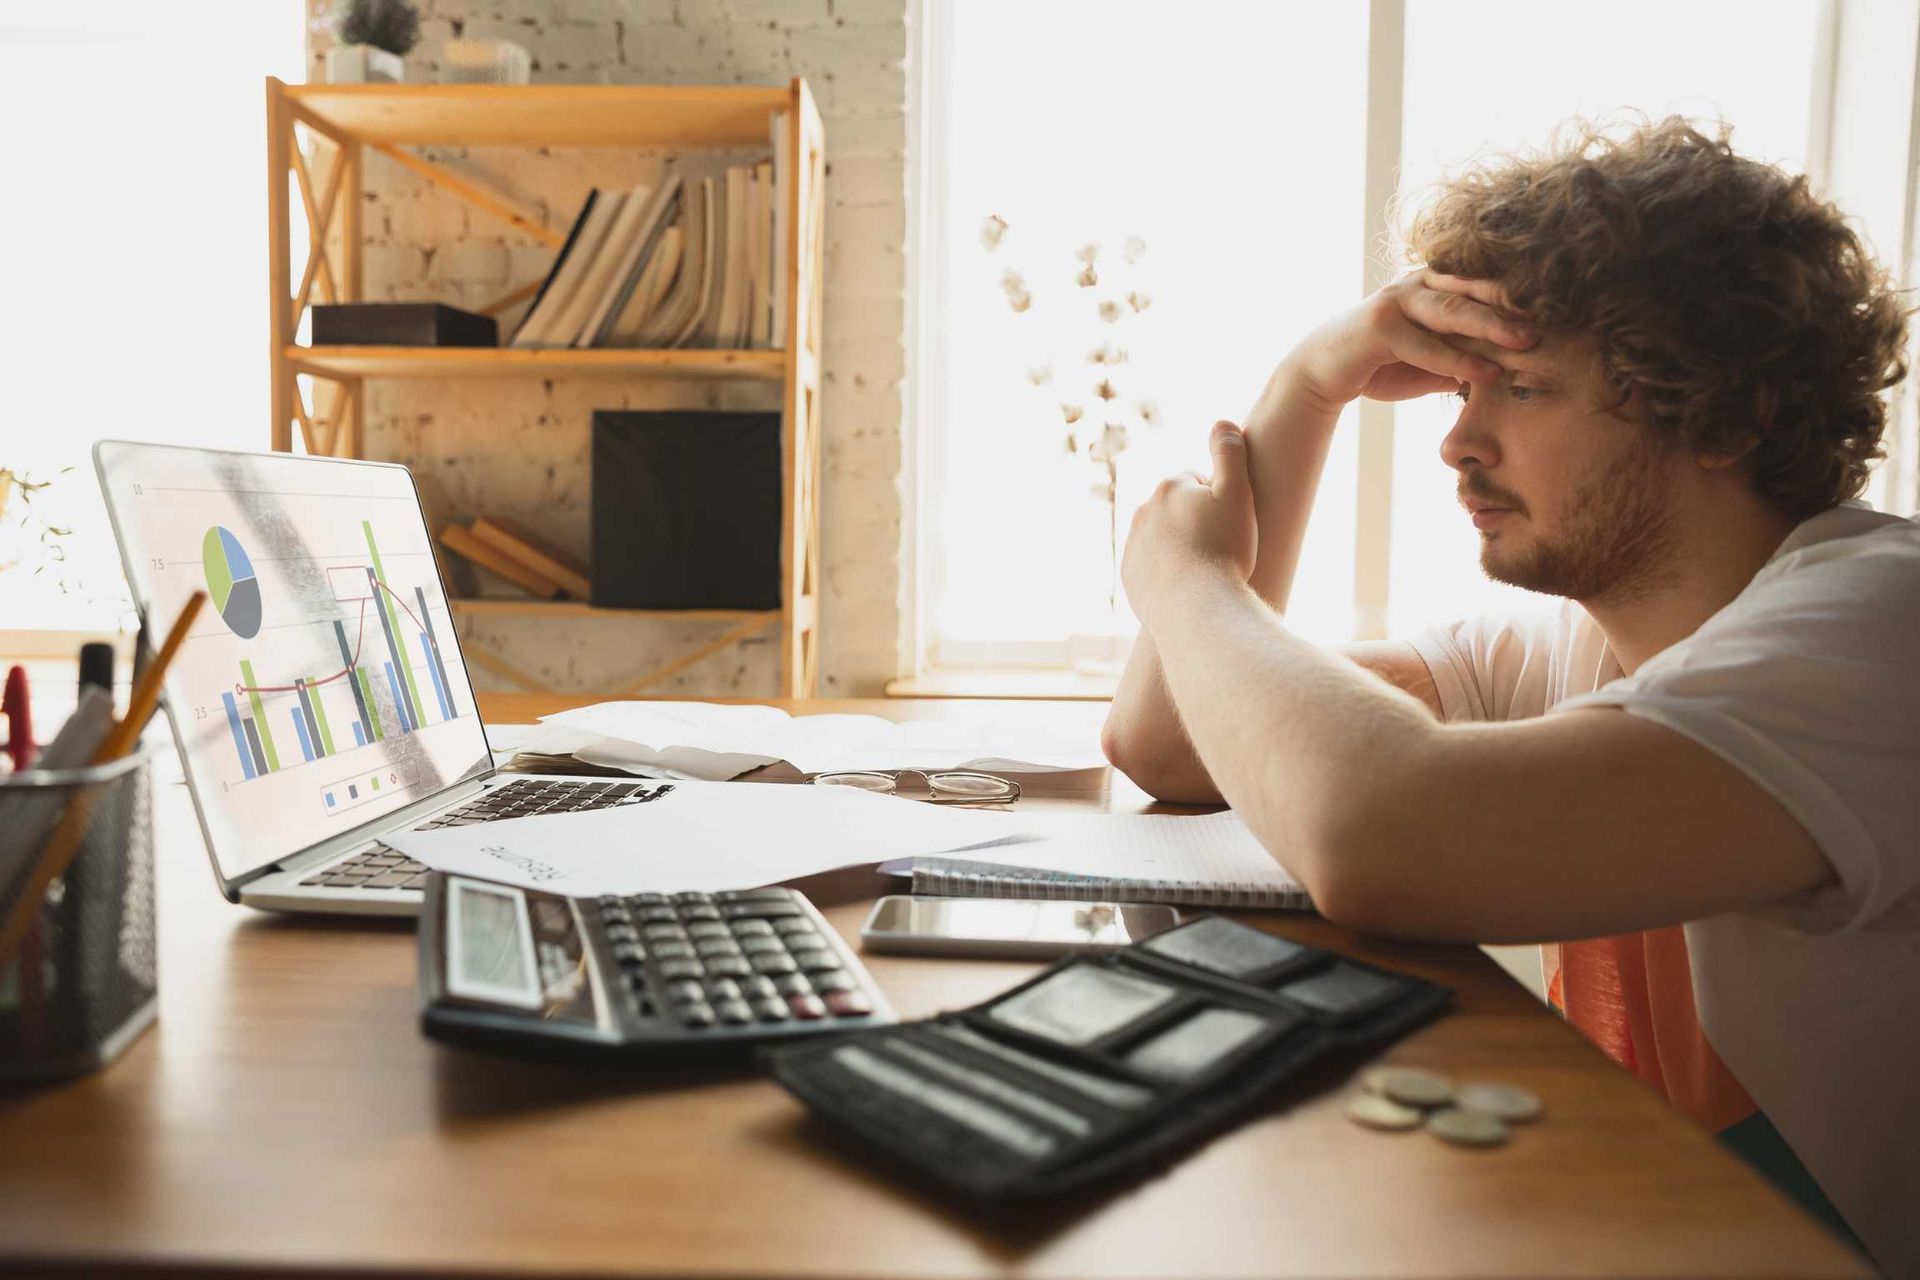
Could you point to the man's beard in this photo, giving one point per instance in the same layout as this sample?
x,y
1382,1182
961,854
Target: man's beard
x,y
1617,540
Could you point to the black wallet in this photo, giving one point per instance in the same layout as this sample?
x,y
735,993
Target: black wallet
x,y
1103,1066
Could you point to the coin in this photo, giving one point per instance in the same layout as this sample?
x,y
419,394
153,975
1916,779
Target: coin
x,y
1508,1102
1408,1086
1467,1128
1376,1112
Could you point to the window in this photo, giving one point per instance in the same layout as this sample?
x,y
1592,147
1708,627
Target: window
x,y
136,305
1231,139
1236,158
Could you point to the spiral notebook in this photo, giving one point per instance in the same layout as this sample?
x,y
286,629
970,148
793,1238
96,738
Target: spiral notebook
x,y
1208,860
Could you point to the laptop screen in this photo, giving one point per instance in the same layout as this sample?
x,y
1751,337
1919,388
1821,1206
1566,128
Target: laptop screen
x,y
321,686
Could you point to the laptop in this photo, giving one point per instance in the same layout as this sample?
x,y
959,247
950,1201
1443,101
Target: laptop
x,y
320,703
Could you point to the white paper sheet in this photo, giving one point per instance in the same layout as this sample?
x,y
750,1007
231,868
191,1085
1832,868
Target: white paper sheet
x,y
715,741
707,836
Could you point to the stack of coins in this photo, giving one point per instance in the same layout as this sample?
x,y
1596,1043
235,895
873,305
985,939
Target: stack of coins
x,y
1480,1114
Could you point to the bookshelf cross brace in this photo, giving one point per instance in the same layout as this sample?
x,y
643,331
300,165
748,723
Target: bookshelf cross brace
x,y
316,238
319,222
474,194
487,661
506,300
726,639
324,437
308,436
485,201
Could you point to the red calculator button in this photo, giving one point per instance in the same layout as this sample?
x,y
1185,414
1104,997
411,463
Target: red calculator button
x,y
849,1004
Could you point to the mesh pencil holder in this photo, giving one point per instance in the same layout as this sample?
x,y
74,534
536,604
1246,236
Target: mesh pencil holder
x,y
83,985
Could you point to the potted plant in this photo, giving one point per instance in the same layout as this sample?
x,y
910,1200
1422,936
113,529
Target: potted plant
x,y
373,36
1098,406
24,533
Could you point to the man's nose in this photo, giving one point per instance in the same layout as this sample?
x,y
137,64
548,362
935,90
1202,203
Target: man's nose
x,y
1470,443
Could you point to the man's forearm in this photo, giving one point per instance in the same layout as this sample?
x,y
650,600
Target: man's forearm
x,y
1287,439
1288,435
1323,730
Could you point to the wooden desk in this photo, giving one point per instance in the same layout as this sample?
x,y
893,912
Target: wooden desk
x,y
287,1113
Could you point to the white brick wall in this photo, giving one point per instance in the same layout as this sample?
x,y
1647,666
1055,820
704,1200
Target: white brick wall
x,y
521,448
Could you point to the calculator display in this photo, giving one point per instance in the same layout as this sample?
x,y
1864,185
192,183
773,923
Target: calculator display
x,y
490,945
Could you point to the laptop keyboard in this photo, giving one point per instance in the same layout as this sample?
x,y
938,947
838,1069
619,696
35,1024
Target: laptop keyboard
x,y
379,867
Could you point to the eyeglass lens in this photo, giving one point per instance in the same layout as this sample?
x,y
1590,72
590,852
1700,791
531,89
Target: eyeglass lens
x,y
979,785
970,786
860,781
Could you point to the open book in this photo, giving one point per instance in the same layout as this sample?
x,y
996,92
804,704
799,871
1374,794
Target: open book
x,y
1209,860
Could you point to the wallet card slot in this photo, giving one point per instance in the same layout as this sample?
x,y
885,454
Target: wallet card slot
x,y
1217,945
1095,1085
978,1118
991,1086
1083,1003
1210,1037
1344,991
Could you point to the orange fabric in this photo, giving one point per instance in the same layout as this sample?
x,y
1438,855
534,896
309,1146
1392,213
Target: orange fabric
x,y
1632,995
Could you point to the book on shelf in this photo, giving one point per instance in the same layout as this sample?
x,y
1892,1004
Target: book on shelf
x,y
666,299
649,296
782,179
630,250
726,311
598,277
576,258
559,263
549,562
681,315
693,262
760,259
706,324
460,540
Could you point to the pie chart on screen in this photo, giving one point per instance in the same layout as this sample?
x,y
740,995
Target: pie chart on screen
x,y
231,582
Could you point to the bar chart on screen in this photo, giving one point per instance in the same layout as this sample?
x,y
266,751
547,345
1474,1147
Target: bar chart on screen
x,y
324,686
383,682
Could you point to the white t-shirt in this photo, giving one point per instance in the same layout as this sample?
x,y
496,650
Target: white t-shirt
x,y
1809,683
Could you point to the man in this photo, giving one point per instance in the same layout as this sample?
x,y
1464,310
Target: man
x,y
1702,778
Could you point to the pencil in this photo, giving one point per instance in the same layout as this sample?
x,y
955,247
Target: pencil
x,y
64,844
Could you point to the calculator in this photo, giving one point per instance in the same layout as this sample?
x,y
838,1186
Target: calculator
x,y
633,976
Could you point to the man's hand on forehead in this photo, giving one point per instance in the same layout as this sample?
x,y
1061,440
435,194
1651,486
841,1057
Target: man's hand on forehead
x,y
1478,311
1411,339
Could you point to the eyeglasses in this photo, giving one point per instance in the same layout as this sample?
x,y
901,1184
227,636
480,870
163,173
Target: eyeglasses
x,y
940,787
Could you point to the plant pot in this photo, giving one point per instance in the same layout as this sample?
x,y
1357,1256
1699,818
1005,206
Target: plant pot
x,y
364,64
484,62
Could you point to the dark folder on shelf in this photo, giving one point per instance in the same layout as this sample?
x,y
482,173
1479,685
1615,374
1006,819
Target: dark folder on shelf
x,y
686,509
406,324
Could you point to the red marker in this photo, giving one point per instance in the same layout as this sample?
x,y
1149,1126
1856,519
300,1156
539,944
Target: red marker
x,y
19,719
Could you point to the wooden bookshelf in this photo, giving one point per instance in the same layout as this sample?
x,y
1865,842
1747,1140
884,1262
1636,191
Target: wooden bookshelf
x,y
511,607
542,115
513,362
342,123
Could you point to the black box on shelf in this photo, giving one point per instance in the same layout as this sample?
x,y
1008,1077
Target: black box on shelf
x,y
686,509
401,324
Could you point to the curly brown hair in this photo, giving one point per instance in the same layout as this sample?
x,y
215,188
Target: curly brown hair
x,y
1744,309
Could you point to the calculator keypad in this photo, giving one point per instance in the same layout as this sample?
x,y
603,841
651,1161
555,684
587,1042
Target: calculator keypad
x,y
742,959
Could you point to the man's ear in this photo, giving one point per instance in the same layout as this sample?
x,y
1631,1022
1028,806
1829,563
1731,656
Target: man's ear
x,y
1721,459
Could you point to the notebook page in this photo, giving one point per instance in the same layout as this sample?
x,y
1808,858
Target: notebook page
x,y
1214,849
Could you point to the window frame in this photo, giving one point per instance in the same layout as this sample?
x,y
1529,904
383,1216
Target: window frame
x,y
1836,109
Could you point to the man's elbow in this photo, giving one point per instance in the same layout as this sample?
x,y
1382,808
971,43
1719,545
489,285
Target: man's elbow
x,y
1353,871
1350,899
1156,771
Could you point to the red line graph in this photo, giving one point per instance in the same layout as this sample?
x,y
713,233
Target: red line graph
x,y
358,640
